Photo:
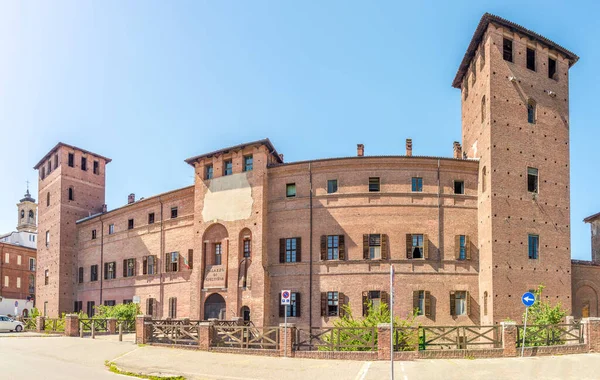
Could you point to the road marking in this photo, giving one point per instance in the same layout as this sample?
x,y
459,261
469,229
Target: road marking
x,y
404,377
363,371
125,354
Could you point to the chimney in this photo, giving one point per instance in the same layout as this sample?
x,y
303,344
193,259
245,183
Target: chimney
x,y
457,150
360,150
409,147
104,208
130,198
281,156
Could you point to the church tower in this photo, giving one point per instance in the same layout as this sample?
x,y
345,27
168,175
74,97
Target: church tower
x,y
71,187
515,121
27,209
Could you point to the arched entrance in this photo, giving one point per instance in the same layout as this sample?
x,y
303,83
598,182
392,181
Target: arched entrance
x,y
245,312
214,307
25,313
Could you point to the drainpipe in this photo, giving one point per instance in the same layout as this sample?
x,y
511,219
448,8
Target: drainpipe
x,y
439,212
310,265
101,271
161,267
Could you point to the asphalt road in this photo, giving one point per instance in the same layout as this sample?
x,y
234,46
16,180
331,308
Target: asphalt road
x,y
52,358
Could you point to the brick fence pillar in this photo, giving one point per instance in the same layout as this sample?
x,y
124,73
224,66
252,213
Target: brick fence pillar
x,y
383,341
509,338
71,325
205,330
39,323
591,333
286,339
143,331
111,325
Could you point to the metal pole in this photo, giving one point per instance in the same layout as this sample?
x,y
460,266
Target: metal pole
x,y
93,330
524,330
81,329
120,331
392,322
285,332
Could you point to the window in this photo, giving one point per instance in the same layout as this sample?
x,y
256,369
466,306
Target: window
x,y
83,163
332,186
94,234
290,190
130,224
173,212
218,255
56,160
459,187
70,193
96,167
552,68
531,59
459,303
47,238
247,244
111,229
110,303
474,70
22,214
482,54
32,264
293,309
373,299
47,199
531,111
150,265
466,87
462,247
151,306
333,247
289,250
172,262
46,277
6,282
173,307
373,184
507,50
110,270
208,172
532,180
127,302
43,172
417,184
94,273
422,302
128,267
91,308
227,167
416,246
71,162
248,162
534,247
80,275
49,166
375,246
77,306
330,304
151,218
483,109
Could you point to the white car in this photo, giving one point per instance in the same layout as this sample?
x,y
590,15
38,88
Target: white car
x,y
7,323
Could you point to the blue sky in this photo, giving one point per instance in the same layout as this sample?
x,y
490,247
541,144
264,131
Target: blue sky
x,y
150,83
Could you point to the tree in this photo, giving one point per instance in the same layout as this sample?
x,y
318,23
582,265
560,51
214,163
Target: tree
x,y
122,311
542,318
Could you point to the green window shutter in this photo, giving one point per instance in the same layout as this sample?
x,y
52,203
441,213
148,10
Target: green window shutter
x,y
366,247
342,248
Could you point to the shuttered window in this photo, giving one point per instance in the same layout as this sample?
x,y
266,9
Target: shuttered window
x,y
149,265
462,249
460,303
128,267
294,309
94,273
332,304
172,262
375,247
110,270
290,250
374,299
422,302
417,246
173,307
333,247
151,307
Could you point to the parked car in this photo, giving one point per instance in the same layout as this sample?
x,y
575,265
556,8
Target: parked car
x,y
10,324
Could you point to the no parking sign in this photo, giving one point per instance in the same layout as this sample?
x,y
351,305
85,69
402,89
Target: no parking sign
x,y
285,297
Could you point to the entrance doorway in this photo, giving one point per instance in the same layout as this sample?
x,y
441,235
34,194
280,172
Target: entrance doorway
x,y
245,312
214,307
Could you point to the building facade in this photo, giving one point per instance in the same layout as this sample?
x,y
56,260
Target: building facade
x,y
467,234
26,233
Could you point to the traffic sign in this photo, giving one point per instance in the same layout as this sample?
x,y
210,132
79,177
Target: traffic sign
x,y
528,299
16,303
285,297
136,299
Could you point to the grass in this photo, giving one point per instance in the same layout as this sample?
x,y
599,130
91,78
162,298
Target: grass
x,y
112,367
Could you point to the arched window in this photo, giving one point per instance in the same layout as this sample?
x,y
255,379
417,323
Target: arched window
x,y
483,179
47,199
22,214
531,111
483,108
70,193
31,215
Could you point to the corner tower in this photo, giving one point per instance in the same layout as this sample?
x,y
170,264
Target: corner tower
x,y
71,186
515,121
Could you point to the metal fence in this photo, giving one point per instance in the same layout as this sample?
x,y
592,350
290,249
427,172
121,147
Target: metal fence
x,y
550,335
245,337
459,337
336,339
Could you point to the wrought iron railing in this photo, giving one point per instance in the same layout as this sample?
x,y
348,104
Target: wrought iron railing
x,y
336,339
550,335
245,337
459,337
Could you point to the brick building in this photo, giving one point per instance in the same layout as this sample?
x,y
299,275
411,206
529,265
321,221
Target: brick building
x,y
467,234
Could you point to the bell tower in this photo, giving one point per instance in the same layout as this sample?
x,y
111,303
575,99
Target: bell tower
x,y
515,121
27,213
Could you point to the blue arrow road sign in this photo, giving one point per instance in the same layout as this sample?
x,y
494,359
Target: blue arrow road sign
x,y
528,299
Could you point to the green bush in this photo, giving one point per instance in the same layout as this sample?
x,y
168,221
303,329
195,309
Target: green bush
x,y
121,311
543,313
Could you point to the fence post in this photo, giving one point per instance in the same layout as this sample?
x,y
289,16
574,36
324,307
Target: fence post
x,y
142,332
287,339
111,325
93,329
39,323
509,338
121,331
205,335
591,333
81,329
71,325
383,341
